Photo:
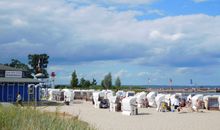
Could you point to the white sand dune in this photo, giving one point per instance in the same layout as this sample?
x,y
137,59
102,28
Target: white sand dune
x,y
148,118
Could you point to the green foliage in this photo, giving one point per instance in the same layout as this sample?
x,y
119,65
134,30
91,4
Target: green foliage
x,y
96,87
18,64
74,80
94,82
84,83
61,86
39,63
16,118
118,82
107,81
87,84
102,84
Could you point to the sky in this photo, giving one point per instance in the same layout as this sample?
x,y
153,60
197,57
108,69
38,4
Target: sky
x,y
136,40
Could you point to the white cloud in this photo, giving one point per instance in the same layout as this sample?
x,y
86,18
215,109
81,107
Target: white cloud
x,y
170,37
122,73
132,1
182,70
156,11
96,39
19,23
109,2
199,1
56,68
142,74
93,33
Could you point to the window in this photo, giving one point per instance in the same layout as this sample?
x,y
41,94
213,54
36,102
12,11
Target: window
x,y
2,73
213,103
130,94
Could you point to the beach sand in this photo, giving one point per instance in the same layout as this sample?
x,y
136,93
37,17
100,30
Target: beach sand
x,y
147,119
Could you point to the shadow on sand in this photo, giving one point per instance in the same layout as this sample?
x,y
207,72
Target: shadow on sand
x,y
78,102
50,103
144,114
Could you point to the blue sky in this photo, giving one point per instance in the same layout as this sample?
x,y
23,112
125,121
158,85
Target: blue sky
x,y
132,39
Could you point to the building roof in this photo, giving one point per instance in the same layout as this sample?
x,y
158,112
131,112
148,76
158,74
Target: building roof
x,y
18,80
8,68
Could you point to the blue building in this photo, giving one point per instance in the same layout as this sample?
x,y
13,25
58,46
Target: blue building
x,y
14,80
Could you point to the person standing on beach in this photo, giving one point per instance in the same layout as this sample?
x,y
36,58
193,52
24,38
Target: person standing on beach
x,y
169,105
176,103
18,99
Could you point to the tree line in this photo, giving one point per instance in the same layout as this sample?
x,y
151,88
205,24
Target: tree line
x,y
83,83
37,63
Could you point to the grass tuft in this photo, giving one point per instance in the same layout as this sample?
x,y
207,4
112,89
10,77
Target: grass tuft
x,y
26,118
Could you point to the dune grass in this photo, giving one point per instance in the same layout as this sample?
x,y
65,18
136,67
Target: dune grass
x,y
26,118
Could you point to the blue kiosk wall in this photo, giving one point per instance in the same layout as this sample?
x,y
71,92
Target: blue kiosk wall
x,y
8,92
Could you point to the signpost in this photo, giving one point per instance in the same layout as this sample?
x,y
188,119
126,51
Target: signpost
x,y
30,93
53,75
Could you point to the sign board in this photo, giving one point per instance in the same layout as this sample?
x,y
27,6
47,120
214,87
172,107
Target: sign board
x,y
13,74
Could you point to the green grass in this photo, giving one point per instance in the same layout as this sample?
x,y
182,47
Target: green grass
x,y
26,118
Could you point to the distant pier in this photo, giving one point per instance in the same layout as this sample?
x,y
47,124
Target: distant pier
x,y
184,90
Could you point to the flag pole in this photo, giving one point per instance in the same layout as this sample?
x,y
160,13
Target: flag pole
x,y
148,83
171,81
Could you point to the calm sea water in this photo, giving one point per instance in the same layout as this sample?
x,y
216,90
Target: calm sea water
x,y
181,86
175,86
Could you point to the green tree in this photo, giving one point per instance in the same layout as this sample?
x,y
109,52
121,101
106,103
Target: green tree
x,y
87,84
102,84
18,64
84,83
39,63
107,82
118,82
94,82
74,80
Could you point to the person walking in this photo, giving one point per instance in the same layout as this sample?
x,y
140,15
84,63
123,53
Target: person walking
x,y
18,99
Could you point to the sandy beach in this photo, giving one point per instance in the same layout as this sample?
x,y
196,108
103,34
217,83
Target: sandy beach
x,y
147,119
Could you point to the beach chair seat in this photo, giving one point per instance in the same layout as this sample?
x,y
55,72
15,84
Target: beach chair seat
x,y
163,107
